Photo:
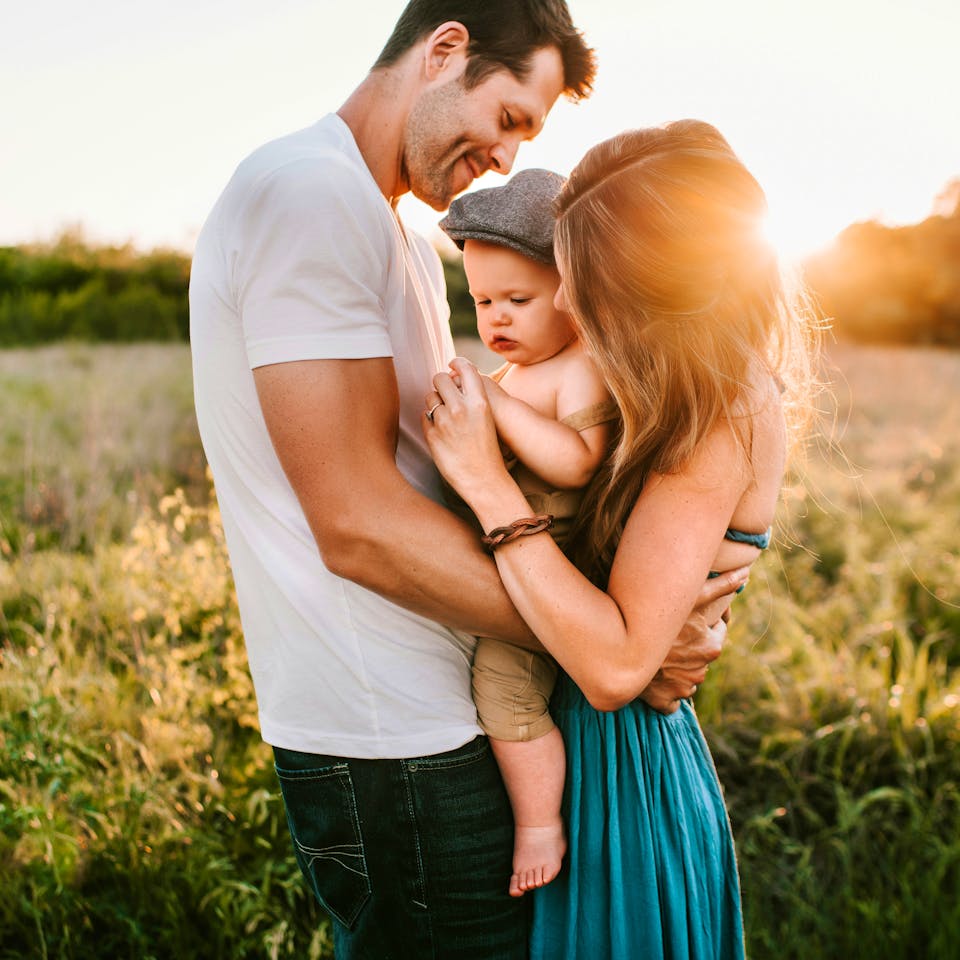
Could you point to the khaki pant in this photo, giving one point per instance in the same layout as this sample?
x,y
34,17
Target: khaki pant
x,y
512,688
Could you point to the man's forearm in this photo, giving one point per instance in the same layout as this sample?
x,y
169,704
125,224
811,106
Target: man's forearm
x,y
422,557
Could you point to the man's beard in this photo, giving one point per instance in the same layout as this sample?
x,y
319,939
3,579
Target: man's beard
x,y
429,164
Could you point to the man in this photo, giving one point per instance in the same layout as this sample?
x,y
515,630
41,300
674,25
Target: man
x,y
317,323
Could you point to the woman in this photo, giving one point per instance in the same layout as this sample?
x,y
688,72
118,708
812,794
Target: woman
x,y
681,304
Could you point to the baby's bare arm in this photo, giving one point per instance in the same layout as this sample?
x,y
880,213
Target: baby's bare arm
x,y
564,457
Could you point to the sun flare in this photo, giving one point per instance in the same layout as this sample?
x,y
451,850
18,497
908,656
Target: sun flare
x,y
795,232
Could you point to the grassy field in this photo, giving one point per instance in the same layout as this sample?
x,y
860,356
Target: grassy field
x,y
139,816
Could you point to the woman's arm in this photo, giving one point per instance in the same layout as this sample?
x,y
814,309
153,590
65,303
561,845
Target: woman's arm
x,y
612,644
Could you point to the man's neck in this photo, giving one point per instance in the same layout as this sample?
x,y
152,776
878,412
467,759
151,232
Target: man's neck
x,y
376,114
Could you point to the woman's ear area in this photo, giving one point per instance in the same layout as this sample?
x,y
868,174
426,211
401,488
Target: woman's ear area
x,y
445,51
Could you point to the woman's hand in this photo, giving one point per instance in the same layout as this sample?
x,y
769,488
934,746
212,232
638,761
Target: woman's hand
x,y
460,431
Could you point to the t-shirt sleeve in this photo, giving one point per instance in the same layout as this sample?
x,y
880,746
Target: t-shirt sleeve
x,y
311,267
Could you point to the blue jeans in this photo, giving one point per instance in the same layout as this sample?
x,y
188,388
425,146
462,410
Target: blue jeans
x,y
410,858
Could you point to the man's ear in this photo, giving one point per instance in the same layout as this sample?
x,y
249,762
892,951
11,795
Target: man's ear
x,y
446,50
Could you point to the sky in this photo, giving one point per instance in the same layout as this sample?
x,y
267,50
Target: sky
x,y
127,117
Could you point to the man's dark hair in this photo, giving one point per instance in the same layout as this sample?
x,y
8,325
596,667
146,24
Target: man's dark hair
x,y
503,33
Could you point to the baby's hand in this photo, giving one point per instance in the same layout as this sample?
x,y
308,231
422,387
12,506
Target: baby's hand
x,y
495,393
456,365
497,399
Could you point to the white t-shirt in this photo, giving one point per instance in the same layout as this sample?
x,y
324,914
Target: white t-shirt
x,y
302,258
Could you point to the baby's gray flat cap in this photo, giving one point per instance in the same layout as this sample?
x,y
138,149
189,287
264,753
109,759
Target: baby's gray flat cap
x,y
518,215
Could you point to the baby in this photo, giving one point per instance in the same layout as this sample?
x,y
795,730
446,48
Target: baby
x,y
555,418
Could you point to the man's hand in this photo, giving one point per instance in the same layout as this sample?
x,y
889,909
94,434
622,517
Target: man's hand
x,y
698,645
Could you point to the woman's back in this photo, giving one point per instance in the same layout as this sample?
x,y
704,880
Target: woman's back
x,y
755,511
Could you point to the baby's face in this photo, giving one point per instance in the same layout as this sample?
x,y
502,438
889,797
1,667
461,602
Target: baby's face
x,y
514,297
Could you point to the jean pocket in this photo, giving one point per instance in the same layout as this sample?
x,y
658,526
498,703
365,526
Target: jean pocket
x,y
322,816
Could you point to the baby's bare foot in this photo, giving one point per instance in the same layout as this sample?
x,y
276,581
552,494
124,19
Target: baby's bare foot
x,y
537,855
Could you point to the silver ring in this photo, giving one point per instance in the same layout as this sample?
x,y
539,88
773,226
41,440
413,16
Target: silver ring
x,y
439,403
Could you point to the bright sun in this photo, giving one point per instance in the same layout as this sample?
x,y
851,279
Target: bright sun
x,y
796,232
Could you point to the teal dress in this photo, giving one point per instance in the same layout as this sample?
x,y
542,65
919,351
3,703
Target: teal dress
x,y
650,871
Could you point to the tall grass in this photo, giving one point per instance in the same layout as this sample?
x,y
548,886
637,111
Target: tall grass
x,y
834,717
89,438
139,815
138,811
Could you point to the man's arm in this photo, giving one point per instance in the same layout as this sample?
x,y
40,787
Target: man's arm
x,y
333,424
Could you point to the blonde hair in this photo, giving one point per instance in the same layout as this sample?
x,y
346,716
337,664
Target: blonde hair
x,y
678,297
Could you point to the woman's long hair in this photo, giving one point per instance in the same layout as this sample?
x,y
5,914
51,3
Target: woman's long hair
x,y
680,301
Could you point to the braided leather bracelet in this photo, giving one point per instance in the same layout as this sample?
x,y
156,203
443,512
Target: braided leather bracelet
x,y
524,527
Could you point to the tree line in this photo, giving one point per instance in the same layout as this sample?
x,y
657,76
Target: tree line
x,y
69,290
878,284
894,284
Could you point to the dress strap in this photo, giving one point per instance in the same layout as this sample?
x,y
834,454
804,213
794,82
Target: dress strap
x,y
759,540
602,412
